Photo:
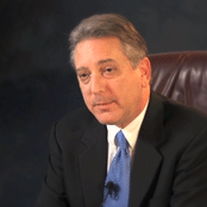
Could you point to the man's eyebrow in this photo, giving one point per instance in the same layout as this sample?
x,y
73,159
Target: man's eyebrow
x,y
106,60
99,63
79,69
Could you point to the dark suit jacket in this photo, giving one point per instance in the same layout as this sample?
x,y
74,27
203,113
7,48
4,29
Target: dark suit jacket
x,y
169,168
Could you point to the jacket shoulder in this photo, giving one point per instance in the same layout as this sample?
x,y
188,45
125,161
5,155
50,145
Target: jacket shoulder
x,y
185,119
73,125
81,117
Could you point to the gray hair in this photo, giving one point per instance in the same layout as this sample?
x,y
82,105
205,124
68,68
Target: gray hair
x,y
110,25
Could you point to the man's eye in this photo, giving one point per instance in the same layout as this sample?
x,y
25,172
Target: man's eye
x,y
83,76
109,70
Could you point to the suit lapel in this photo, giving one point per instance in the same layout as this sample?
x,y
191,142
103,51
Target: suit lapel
x,y
147,160
93,162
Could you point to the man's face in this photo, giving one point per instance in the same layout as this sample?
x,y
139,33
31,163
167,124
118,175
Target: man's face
x,y
112,89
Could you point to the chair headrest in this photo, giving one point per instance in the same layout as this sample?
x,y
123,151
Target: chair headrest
x,y
181,76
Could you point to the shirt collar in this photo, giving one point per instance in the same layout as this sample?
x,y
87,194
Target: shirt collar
x,y
130,132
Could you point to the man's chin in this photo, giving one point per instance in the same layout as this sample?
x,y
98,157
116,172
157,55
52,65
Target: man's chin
x,y
111,119
106,120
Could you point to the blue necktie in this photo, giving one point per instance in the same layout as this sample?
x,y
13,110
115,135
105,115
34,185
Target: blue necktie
x,y
117,184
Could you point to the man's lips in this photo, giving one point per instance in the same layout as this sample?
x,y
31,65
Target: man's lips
x,y
102,103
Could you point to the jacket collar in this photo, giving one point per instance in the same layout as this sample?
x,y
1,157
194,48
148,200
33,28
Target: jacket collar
x,y
147,160
152,130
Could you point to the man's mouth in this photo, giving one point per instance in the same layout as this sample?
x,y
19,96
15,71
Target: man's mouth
x,y
102,104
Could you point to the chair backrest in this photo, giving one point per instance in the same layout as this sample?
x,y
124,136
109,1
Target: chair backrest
x,y
181,76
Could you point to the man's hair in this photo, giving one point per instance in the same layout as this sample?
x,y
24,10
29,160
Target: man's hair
x,y
110,25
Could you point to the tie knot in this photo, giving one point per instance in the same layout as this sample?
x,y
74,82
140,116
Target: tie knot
x,y
123,144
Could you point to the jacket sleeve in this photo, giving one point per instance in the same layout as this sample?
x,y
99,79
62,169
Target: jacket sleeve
x,y
190,182
53,191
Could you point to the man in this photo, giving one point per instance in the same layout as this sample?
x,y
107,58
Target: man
x,y
166,141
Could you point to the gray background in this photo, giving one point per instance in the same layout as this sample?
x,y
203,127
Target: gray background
x,y
38,86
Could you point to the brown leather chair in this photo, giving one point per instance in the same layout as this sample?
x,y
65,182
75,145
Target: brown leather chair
x,y
181,76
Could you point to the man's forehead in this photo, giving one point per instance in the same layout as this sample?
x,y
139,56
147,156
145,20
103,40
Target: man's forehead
x,y
98,51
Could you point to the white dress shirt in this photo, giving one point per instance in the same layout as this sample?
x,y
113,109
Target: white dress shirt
x,y
131,132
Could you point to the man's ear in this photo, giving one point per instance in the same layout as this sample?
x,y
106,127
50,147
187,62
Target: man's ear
x,y
144,66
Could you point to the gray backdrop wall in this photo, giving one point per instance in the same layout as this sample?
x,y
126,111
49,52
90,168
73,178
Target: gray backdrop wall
x,y
38,86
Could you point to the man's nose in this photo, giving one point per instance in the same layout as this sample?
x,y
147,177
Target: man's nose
x,y
98,84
